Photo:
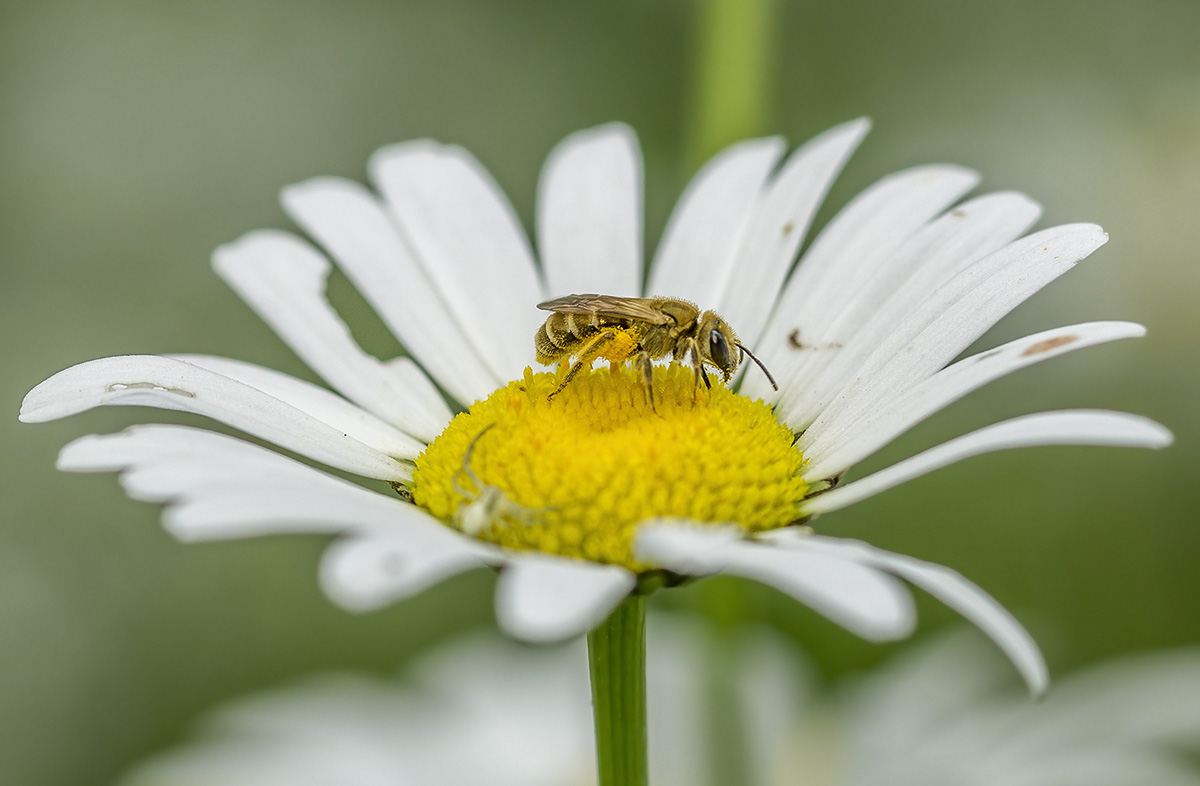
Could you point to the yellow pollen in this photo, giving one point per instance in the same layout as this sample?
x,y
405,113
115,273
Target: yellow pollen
x,y
575,474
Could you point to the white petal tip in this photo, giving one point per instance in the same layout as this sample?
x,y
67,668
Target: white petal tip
x,y
1092,234
968,177
542,600
366,573
79,456
260,245
315,188
615,129
684,546
355,594
1014,199
1126,430
249,239
858,127
38,406
29,412
61,395
388,155
1158,436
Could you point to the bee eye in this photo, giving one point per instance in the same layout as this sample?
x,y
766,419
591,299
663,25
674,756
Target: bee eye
x,y
718,349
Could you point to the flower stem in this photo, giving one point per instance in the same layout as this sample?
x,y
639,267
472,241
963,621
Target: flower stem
x,y
734,59
617,659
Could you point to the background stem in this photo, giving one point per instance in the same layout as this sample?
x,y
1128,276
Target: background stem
x,y
734,60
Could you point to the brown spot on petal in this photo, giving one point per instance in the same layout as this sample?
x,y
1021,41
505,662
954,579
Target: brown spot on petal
x,y
788,227
797,343
1049,344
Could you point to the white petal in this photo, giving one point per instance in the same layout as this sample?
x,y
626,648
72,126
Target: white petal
x,y
850,256
283,279
429,414
349,221
316,401
699,245
248,509
861,599
146,380
686,548
1148,699
933,682
541,598
200,458
1068,427
589,216
1097,767
951,319
471,244
973,230
839,330
778,225
948,586
369,572
954,382
219,487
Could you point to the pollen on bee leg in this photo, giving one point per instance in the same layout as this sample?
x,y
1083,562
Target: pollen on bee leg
x,y
621,346
591,463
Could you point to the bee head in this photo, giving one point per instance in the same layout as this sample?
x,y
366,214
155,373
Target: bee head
x,y
718,344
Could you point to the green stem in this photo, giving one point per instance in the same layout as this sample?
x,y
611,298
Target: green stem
x,y
735,55
617,659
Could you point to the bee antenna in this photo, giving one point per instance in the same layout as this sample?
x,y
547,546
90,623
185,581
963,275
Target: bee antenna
x,y
770,378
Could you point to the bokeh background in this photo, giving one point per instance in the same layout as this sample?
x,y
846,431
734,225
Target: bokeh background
x,y
136,136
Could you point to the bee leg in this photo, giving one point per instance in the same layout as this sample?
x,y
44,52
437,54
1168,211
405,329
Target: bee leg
x,y
586,358
698,372
642,363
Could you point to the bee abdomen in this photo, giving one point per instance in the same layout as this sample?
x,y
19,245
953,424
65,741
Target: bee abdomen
x,y
559,337
546,350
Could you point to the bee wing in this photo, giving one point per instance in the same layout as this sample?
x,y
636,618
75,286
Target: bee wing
x,y
641,309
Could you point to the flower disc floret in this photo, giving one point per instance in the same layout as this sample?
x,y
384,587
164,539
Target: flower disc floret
x,y
579,471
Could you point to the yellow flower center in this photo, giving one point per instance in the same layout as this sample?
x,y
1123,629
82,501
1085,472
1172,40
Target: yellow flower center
x,y
575,474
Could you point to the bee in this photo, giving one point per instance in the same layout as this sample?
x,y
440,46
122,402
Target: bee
x,y
485,505
588,327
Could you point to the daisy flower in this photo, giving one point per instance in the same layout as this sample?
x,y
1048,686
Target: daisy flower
x,y
940,714
595,494
480,709
943,714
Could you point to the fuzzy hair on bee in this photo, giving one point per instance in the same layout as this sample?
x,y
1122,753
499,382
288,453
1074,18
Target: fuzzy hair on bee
x,y
591,327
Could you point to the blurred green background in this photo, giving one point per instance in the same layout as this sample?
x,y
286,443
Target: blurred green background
x,y
136,136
